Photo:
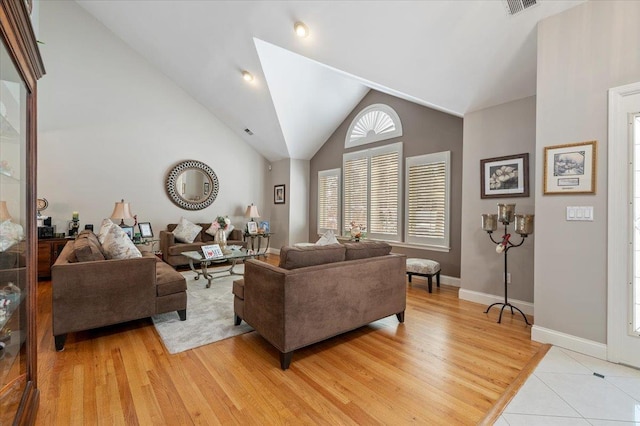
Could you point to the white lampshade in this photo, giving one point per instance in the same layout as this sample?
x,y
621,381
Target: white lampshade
x,y
252,211
4,212
121,211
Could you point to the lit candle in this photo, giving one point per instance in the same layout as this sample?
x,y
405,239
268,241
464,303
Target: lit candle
x,y
489,222
506,212
524,224
75,216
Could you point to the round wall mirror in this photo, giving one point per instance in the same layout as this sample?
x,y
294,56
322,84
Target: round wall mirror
x,y
192,185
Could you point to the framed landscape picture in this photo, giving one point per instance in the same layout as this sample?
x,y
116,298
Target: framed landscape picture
x,y
505,177
570,168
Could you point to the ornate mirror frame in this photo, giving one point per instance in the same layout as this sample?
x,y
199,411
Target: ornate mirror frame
x,y
172,180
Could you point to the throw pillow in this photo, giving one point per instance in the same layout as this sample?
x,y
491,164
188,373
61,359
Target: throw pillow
x,y
186,232
116,244
327,238
227,231
10,234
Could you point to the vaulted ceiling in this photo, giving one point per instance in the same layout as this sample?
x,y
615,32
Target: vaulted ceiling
x,y
455,56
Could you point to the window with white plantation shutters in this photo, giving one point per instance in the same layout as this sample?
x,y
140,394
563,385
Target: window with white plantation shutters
x,y
385,185
356,194
328,201
372,191
427,199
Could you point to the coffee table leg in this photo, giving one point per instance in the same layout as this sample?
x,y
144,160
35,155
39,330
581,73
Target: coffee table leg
x,y
233,264
193,268
207,275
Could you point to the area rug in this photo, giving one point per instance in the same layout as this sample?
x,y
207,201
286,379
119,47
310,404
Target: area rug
x,y
209,314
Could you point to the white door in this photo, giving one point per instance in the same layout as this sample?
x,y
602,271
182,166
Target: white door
x,y
623,328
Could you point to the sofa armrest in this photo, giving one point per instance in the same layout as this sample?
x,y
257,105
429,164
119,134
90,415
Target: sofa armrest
x,y
167,239
94,294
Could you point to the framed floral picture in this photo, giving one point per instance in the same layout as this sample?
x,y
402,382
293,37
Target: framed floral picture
x,y
570,168
505,177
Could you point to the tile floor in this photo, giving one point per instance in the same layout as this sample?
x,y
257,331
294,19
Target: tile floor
x,y
563,390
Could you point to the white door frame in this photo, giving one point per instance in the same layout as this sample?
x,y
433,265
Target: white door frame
x,y
619,191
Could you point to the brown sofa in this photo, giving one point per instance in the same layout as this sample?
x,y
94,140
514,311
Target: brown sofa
x,y
172,250
320,292
90,292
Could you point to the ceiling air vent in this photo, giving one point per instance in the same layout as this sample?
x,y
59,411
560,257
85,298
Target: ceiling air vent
x,y
517,6
249,132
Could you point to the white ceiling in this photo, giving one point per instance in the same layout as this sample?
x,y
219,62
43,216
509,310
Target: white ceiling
x,y
455,56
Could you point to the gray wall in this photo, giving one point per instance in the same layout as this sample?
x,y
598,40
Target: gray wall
x,y
506,129
425,131
279,213
581,54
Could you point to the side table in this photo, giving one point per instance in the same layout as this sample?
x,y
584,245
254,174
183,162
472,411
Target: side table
x,y
255,243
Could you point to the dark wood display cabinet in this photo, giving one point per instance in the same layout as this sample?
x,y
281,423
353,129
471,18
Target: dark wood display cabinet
x,y
48,251
20,68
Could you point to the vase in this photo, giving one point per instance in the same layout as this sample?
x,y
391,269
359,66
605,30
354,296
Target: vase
x,y
221,239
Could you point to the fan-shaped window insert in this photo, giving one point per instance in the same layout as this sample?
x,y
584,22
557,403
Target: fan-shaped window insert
x,y
375,123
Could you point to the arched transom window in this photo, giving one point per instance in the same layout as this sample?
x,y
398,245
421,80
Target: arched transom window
x,y
375,123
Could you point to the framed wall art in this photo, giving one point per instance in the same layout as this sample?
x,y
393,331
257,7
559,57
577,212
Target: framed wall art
x,y
278,194
570,168
505,177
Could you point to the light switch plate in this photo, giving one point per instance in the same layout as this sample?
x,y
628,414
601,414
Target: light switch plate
x,y
580,213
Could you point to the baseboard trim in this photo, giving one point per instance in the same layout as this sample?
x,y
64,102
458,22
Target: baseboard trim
x,y
444,279
488,299
568,341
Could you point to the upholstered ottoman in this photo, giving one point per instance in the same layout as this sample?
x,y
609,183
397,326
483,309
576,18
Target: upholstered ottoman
x,y
424,268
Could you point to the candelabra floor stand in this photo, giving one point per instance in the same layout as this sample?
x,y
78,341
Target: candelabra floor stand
x,y
506,300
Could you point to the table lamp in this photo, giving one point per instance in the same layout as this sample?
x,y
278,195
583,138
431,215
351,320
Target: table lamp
x,y
121,211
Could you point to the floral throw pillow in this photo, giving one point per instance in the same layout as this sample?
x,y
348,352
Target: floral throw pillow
x,y
116,244
10,234
186,232
327,238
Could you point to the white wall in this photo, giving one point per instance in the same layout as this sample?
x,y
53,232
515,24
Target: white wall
x,y
581,54
506,129
111,126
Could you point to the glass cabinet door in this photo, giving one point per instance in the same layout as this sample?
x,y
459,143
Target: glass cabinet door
x,y
14,374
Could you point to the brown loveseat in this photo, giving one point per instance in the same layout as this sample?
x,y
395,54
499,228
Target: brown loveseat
x,y
320,292
172,250
91,292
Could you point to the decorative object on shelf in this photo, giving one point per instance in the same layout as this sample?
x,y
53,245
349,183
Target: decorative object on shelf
x,y
264,227
128,230
570,168
145,229
523,225
192,185
356,231
5,168
252,227
41,205
503,177
121,211
74,225
4,211
279,194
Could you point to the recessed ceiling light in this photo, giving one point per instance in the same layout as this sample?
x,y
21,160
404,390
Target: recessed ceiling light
x,y
247,76
301,29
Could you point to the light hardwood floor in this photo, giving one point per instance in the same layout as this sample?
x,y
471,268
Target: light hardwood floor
x,y
447,364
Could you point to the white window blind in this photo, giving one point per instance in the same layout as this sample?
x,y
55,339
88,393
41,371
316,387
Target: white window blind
x,y
372,191
328,200
356,193
385,184
427,199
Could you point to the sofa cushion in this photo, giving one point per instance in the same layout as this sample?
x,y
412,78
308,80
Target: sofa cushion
x,y
168,280
300,257
86,249
365,249
186,232
238,288
180,248
116,244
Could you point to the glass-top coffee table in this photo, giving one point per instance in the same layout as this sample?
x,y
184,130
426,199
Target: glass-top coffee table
x,y
234,256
